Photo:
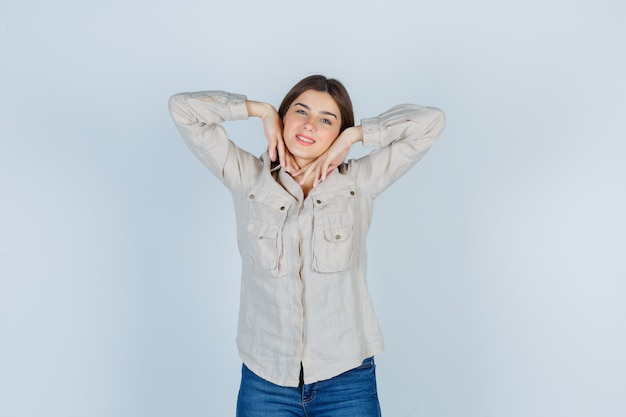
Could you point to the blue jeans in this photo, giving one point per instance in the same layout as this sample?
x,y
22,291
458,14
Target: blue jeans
x,y
350,394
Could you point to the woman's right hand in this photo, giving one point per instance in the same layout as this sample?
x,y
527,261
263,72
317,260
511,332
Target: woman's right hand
x,y
273,130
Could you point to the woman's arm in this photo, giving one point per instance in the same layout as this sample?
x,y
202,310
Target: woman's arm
x,y
198,117
403,134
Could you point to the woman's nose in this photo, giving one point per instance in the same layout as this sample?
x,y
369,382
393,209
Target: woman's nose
x,y
308,125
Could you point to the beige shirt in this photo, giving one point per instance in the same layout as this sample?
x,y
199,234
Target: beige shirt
x,y
304,297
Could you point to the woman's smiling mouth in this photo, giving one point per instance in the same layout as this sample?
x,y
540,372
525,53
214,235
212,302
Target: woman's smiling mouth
x,y
303,140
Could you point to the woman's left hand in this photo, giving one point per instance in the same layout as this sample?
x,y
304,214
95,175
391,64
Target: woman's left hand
x,y
334,156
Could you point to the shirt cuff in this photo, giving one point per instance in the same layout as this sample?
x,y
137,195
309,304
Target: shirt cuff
x,y
234,104
371,132
237,105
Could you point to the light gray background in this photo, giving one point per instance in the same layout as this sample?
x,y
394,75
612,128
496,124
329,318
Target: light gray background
x,y
496,265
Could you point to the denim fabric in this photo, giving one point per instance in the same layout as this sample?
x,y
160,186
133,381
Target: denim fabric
x,y
350,394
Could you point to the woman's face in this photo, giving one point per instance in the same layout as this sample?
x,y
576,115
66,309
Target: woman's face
x,y
311,125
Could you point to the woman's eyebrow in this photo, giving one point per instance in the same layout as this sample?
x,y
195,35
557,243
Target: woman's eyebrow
x,y
322,112
327,113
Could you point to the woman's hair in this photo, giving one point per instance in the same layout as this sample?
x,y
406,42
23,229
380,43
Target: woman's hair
x,y
328,85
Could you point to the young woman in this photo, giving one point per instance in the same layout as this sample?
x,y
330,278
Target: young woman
x,y
307,331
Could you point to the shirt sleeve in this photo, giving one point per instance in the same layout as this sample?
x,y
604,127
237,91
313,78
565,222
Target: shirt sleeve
x,y
198,117
403,134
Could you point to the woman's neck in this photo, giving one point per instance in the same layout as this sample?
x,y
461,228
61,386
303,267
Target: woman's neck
x,y
307,186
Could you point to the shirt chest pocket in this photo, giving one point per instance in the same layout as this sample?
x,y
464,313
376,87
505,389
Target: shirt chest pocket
x,y
267,213
333,229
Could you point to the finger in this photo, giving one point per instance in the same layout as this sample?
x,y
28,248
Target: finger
x,y
319,177
307,173
281,150
327,171
326,168
271,148
300,171
287,160
323,171
318,180
290,163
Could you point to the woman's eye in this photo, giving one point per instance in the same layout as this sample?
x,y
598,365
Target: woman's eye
x,y
326,121
300,112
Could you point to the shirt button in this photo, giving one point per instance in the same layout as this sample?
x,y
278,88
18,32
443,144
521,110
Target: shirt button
x,y
337,237
251,197
282,208
352,193
319,201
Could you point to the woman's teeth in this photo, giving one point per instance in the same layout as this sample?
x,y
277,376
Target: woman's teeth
x,y
303,139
